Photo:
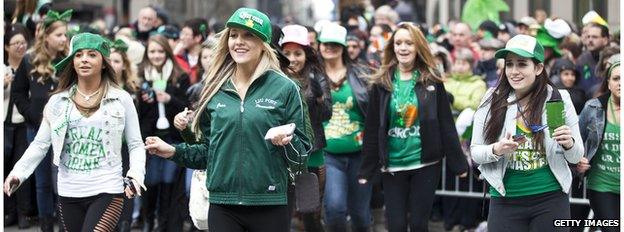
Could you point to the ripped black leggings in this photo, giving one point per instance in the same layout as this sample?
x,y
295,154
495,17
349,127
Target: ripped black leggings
x,y
96,213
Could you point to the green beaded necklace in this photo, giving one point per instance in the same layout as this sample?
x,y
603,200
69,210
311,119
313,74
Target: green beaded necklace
x,y
404,100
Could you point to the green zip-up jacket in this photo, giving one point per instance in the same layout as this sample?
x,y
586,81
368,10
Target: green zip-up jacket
x,y
242,168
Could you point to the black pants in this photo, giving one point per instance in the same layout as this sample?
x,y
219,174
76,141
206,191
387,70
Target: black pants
x,y
96,213
14,146
530,213
235,218
410,191
605,206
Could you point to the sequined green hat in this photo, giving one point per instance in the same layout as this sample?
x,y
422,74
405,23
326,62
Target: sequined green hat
x,y
252,20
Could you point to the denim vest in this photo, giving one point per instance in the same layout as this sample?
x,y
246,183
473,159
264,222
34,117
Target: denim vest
x,y
592,123
120,121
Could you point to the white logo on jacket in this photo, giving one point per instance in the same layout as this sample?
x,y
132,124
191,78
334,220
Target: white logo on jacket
x,y
265,103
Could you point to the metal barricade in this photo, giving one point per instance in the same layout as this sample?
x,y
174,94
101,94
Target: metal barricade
x,y
444,190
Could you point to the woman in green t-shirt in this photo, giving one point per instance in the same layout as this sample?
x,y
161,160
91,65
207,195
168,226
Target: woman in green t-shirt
x,y
528,172
602,147
343,133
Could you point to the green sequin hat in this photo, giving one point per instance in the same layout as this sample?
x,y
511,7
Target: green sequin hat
x,y
252,20
84,41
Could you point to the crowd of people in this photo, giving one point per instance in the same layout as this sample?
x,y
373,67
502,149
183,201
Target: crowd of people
x,y
114,121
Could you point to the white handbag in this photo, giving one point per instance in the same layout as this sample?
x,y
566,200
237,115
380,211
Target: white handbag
x,y
198,200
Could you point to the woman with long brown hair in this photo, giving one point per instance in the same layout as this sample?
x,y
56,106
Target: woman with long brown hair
x,y
600,129
163,95
409,130
85,122
525,133
125,71
34,81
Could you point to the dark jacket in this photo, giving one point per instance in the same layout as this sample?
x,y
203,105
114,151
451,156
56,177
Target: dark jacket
x,y
319,111
148,112
589,79
29,95
487,69
141,36
359,85
437,130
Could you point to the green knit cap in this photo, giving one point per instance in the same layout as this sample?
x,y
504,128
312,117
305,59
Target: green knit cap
x,y
252,20
84,41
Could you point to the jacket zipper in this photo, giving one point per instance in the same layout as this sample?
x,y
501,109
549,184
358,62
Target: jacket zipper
x,y
240,133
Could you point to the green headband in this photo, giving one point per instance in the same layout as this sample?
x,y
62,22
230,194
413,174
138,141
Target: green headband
x,y
616,64
53,16
119,45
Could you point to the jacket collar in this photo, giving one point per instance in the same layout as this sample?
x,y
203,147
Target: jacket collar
x,y
604,99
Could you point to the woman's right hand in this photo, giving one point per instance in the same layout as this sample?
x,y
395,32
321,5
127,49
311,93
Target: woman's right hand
x,y
182,119
157,146
505,146
583,165
10,184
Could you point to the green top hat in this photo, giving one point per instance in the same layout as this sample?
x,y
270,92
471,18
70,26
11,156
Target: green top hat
x,y
548,41
252,20
84,41
524,46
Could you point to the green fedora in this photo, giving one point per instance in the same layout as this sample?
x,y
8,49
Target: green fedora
x,y
84,41
252,20
524,46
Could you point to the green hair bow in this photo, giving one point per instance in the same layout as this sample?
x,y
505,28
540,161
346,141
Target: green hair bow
x,y
54,16
119,45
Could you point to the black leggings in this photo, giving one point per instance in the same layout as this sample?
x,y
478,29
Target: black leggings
x,y
235,218
605,206
530,213
96,213
411,190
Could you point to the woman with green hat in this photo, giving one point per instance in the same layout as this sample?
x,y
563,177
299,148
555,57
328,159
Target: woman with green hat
x,y
600,129
84,122
524,136
245,94
344,133
34,80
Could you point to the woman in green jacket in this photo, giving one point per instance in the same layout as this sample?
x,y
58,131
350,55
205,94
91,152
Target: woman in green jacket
x,y
245,94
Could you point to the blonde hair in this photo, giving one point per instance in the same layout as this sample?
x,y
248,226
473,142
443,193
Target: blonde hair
x,y
222,67
42,61
128,75
423,62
